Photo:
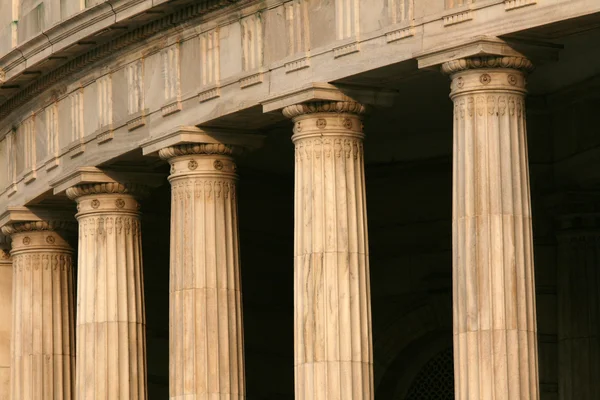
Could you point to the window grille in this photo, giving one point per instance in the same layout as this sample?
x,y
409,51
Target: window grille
x,y
435,381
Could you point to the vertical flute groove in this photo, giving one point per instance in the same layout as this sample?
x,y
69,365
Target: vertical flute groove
x,y
333,353
493,283
42,263
111,317
206,359
6,311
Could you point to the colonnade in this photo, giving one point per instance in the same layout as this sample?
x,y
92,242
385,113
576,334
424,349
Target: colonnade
x,y
493,281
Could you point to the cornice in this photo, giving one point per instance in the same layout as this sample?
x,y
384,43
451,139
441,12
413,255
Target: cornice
x,y
16,57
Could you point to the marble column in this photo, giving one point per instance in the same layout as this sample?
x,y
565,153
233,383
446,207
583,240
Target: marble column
x,y
6,272
332,306
578,289
495,343
111,324
42,348
206,355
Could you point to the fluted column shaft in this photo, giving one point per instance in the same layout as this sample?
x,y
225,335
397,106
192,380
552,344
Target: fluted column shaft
x,y
579,310
206,331
6,273
42,348
332,316
495,343
111,324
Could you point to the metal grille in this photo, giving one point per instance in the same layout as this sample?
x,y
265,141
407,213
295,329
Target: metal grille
x,y
435,381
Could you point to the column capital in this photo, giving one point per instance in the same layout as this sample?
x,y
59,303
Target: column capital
x,y
90,189
39,235
315,107
187,149
33,226
487,62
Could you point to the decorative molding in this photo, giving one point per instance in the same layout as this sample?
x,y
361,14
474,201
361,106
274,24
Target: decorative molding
x,y
209,94
135,84
298,26
210,58
77,122
77,148
400,10
345,49
519,63
11,190
104,92
251,80
11,161
27,132
450,4
172,72
514,4
29,177
88,189
52,163
347,18
34,226
297,64
198,148
171,108
324,107
458,18
104,135
252,42
137,121
52,130
134,36
399,34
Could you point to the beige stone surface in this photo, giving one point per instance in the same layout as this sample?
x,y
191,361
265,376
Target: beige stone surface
x,y
495,333
6,273
206,354
333,350
111,331
42,350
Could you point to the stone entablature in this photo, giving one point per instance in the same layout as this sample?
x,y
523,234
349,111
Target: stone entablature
x,y
242,56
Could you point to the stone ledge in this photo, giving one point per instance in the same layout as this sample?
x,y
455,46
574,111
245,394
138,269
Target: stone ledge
x,y
193,134
33,214
458,18
328,92
85,175
486,45
514,4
